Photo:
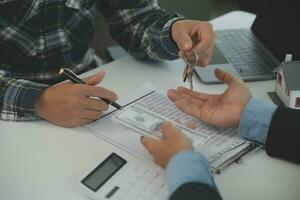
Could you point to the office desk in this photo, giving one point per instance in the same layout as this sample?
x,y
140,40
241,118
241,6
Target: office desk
x,y
40,161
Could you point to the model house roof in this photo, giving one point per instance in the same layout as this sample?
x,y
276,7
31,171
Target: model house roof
x,y
291,73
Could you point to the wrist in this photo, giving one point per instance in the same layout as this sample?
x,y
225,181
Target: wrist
x,y
255,120
242,111
39,103
188,166
178,152
166,39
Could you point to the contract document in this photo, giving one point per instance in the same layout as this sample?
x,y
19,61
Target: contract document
x,y
221,146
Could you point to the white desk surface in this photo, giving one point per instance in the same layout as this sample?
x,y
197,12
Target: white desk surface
x,y
40,161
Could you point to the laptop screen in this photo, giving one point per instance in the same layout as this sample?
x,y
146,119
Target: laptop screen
x,y
277,27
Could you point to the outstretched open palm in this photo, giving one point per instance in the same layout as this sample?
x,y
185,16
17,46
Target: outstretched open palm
x,y
217,109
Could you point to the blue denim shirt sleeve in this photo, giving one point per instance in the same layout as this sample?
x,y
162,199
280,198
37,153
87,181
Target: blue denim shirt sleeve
x,y
188,166
256,119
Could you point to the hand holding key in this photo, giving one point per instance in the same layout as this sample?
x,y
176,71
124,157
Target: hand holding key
x,y
195,40
194,36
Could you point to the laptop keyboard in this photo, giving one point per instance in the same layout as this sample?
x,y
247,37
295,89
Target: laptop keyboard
x,y
241,49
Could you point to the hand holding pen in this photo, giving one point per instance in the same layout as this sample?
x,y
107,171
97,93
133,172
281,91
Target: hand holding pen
x,y
67,73
68,104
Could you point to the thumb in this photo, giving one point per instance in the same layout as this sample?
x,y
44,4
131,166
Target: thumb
x,y
183,40
225,77
95,79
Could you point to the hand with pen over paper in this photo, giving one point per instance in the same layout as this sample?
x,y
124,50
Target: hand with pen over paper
x,y
69,104
223,110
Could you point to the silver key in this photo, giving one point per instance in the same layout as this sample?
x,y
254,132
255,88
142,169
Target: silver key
x,y
188,74
185,74
189,69
191,78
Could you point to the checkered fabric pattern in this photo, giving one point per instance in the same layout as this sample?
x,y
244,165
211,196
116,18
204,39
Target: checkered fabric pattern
x,y
37,37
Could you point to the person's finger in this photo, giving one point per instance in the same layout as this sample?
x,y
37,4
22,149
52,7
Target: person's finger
x,y
150,144
101,92
94,104
183,39
187,94
197,54
203,50
190,109
172,95
206,34
198,95
205,61
181,54
176,96
188,56
191,125
225,77
83,121
95,79
190,99
168,130
191,57
178,121
90,114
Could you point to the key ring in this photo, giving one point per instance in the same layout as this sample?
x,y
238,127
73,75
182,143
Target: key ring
x,y
186,60
196,60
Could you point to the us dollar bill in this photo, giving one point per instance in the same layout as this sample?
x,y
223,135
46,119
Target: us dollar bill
x,y
148,123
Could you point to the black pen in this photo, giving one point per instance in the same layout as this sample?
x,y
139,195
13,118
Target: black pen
x,y
67,73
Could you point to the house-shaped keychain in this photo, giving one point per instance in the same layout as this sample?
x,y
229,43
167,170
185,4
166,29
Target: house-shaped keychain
x,y
287,86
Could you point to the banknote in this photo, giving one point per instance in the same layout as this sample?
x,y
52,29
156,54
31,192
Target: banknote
x,y
148,123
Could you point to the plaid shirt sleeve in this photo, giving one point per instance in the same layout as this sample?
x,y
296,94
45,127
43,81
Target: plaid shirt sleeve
x,y
17,99
142,28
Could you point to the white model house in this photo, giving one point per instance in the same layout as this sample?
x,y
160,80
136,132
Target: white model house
x,y
288,84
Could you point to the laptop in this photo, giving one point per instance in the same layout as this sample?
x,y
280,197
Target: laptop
x,y
254,54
